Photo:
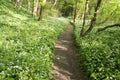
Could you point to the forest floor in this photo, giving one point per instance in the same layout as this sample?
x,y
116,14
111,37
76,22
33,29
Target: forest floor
x,y
66,65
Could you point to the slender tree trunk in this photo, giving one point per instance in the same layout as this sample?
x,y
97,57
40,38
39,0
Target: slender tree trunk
x,y
28,5
35,9
93,20
17,4
75,10
84,17
41,10
40,13
54,4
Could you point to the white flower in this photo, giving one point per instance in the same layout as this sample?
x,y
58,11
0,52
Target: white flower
x,y
2,73
17,67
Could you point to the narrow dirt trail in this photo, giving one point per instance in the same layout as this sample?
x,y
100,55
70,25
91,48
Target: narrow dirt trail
x,y
66,65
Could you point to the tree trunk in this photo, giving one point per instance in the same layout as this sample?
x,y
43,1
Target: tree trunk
x,y
75,10
40,13
28,5
93,20
54,4
41,9
84,17
17,4
35,9
109,26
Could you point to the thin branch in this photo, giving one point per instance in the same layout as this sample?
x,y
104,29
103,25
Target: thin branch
x,y
109,26
108,17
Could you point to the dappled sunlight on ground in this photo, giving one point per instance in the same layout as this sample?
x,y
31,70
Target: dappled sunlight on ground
x,y
66,65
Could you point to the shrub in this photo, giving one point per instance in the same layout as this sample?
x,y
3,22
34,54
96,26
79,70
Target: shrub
x,y
100,53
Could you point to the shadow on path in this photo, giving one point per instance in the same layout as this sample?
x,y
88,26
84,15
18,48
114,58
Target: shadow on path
x,y
66,65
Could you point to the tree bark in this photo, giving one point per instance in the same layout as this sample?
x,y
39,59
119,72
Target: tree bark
x,y
84,17
35,9
54,4
75,10
93,20
17,4
109,26
41,9
28,5
40,13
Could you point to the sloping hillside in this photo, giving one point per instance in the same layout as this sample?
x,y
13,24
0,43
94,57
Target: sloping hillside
x,y
26,45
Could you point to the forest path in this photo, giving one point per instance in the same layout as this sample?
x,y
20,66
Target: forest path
x,y
66,65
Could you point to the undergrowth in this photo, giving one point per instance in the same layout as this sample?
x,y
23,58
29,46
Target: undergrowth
x,y
100,53
26,45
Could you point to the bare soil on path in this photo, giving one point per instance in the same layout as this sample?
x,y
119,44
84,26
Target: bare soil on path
x,y
66,64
